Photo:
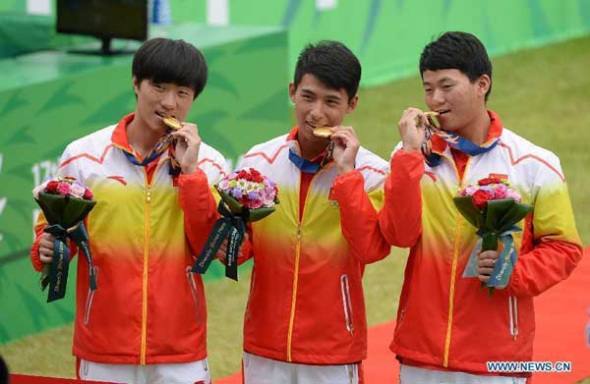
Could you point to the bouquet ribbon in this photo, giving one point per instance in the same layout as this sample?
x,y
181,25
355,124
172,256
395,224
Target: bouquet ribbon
x,y
506,261
230,226
58,270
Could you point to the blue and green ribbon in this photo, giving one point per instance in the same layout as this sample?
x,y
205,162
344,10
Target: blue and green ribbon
x,y
505,263
230,226
58,270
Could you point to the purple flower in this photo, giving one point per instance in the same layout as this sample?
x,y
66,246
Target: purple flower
x,y
513,195
268,198
469,190
235,193
254,195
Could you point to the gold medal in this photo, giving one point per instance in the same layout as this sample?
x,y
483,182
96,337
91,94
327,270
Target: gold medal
x,y
430,115
172,123
324,132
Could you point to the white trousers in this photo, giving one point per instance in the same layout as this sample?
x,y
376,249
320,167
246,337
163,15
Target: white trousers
x,y
186,373
260,370
413,375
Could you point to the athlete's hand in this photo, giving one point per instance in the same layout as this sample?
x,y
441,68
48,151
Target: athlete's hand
x,y
188,144
222,251
346,147
46,246
486,261
411,128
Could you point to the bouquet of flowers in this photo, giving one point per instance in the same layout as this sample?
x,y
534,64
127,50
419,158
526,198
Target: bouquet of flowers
x,y
246,195
493,208
65,202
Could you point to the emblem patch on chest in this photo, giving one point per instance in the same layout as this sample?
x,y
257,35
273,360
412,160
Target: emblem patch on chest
x,y
499,176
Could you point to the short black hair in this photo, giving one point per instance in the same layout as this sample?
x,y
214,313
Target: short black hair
x,y
457,50
332,63
171,61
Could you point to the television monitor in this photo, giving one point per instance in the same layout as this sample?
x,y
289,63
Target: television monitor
x,y
104,19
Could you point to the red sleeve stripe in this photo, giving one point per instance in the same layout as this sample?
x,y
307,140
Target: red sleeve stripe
x,y
213,163
269,159
431,175
87,156
372,169
529,156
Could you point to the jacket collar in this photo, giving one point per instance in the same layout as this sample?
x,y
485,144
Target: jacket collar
x,y
495,131
120,139
295,148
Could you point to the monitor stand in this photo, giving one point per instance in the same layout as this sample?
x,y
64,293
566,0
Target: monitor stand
x,y
105,50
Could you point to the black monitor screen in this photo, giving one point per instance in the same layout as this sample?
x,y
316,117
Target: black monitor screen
x,y
106,19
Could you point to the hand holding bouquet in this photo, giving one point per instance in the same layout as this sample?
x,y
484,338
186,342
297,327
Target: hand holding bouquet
x,y
246,195
493,208
65,203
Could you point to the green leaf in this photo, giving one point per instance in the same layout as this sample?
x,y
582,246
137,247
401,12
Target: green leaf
x,y
260,213
234,206
495,211
515,214
64,210
504,213
465,206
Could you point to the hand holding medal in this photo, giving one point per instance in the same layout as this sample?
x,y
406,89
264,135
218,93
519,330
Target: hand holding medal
x,y
184,152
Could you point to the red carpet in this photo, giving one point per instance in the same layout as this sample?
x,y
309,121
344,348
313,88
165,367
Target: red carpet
x,y
26,379
561,314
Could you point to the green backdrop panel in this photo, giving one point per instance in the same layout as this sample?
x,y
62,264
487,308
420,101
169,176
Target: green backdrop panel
x,y
388,35
22,33
16,6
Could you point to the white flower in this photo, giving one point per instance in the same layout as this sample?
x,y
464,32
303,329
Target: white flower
x,y
77,191
241,184
37,190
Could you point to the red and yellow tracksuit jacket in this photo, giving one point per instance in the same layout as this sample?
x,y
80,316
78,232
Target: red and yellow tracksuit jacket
x,y
306,301
445,321
143,233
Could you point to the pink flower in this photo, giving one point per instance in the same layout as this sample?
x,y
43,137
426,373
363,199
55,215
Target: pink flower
x,y
63,189
500,191
512,194
469,190
268,198
255,204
